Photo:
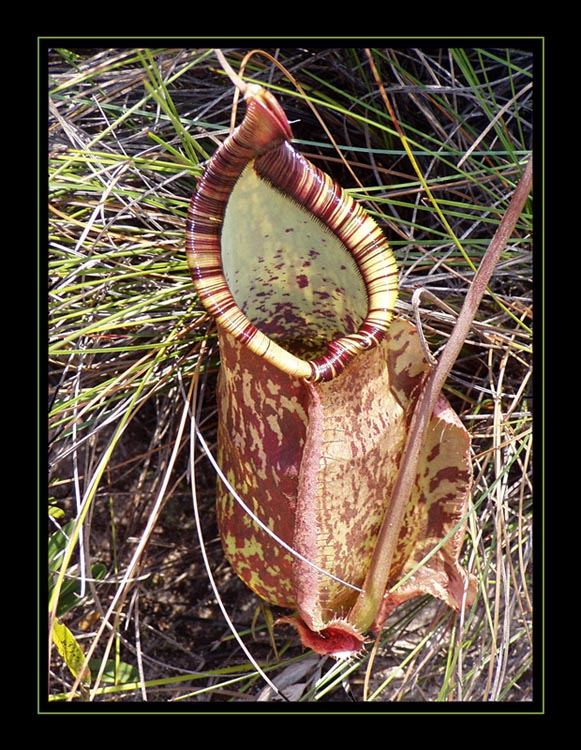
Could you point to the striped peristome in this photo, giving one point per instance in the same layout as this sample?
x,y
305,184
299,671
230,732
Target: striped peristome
x,y
261,142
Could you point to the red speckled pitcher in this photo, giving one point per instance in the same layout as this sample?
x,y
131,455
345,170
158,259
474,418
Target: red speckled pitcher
x,y
316,389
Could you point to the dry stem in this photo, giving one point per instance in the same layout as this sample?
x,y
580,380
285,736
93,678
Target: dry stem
x,y
369,601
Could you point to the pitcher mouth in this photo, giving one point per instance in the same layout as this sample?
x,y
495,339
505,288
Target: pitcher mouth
x,y
358,290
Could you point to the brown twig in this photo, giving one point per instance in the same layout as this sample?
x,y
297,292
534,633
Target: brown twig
x,y
369,601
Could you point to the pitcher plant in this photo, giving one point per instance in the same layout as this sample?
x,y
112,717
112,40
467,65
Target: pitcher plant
x,y
317,385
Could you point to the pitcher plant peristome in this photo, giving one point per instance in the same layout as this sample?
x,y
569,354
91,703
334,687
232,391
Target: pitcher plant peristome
x,y
316,389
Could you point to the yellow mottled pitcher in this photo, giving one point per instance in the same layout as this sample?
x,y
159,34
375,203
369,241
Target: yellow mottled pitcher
x,y
316,389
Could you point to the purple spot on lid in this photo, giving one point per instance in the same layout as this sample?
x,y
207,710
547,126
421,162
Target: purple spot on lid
x,y
302,280
306,264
